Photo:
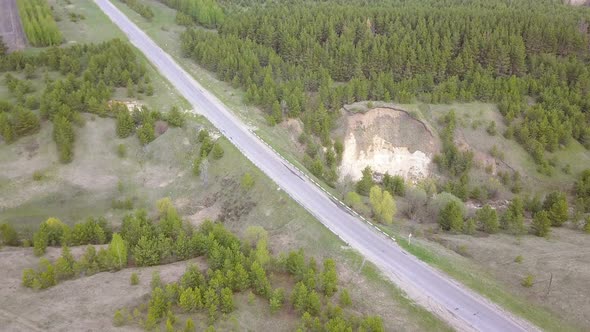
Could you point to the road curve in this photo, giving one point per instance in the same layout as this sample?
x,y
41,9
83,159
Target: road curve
x,y
462,308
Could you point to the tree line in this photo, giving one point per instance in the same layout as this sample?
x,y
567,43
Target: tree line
x,y
142,9
234,266
205,12
39,23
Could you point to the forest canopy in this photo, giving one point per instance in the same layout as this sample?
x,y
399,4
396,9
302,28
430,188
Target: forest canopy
x,y
308,58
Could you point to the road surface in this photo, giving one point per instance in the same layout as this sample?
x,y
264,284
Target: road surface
x,y
462,308
11,29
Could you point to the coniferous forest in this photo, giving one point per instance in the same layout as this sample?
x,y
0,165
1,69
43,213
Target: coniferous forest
x,y
306,59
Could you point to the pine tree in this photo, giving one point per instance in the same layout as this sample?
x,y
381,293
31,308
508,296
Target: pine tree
x,y
227,302
189,326
125,124
134,279
118,251
345,299
175,117
259,280
451,217
329,278
299,297
217,151
63,135
276,300
366,183
146,133
513,218
158,305
541,224
118,319
488,219
556,206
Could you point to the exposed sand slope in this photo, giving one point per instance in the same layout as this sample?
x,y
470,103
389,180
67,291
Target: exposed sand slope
x,y
387,140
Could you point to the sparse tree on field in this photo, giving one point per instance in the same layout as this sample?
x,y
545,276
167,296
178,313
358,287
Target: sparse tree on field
x,y
345,299
134,279
513,218
118,250
64,265
125,124
416,199
217,151
299,297
276,300
259,280
197,166
189,326
388,208
329,278
158,305
364,185
556,206
175,117
8,236
541,224
118,319
247,181
470,226
451,217
314,304
488,219
395,185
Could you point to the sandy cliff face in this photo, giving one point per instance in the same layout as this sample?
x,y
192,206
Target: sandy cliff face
x,y
577,2
389,141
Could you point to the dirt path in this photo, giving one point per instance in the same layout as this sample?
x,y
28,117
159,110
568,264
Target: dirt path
x,y
11,28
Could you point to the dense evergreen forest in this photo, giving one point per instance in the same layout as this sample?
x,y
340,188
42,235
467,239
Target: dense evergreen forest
x,y
309,58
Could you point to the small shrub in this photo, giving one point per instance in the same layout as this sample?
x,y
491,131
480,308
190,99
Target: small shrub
x,y
345,299
125,204
217,151
119,318
8,236
134,279
121,150
518,259
247,181
528,281
197,166
156,280
470,226
38,176
491,129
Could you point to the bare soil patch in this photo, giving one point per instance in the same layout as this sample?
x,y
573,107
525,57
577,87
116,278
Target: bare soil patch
x,y
84,304
560,266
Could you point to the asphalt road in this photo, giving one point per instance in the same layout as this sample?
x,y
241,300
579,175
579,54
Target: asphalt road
x,y
462,308
11,29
